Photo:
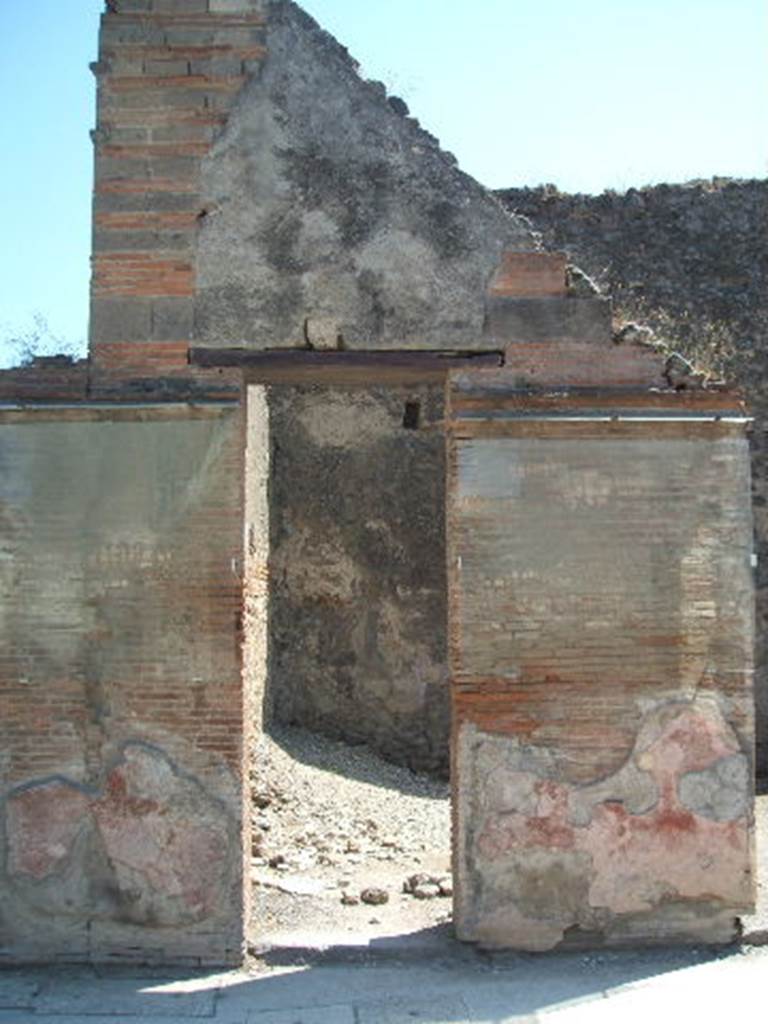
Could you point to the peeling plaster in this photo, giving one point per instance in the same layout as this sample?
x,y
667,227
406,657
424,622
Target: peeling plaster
x,y
149,845
539,857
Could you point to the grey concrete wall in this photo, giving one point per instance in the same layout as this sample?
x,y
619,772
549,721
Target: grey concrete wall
x,y
357,612
120,691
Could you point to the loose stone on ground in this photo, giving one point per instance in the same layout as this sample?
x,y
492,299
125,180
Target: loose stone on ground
x,y
336,830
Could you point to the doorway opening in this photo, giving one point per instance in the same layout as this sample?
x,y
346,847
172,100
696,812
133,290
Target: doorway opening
x,y
348,708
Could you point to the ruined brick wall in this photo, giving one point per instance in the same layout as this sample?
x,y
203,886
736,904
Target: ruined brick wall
x,y
698,254
233,208
120,689
168,74
601,627
699,249
351,225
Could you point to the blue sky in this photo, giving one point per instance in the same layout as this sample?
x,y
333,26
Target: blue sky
x,y
589,95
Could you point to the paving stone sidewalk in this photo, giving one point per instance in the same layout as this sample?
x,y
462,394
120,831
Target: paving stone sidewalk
x,y
462,989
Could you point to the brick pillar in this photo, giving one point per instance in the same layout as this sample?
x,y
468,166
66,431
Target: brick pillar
x,y
600,637
168,73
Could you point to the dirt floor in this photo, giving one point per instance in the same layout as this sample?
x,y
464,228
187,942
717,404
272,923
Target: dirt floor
x,y
339,834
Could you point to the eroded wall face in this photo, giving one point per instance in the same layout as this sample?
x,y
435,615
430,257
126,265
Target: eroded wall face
x,y
357,602
120,693
601,643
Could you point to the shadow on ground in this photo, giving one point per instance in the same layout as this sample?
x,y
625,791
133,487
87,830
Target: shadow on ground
x,y
353,761
461,986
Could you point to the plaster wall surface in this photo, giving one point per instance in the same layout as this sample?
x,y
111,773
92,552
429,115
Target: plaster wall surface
x,y
601,642
120,691
350,225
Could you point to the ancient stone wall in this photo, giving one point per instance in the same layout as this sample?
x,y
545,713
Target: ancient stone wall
x,y
120,688
693,259
126,581
231,209
699,249
234,208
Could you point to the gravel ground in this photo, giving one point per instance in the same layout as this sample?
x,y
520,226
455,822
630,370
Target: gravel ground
x,y
337,832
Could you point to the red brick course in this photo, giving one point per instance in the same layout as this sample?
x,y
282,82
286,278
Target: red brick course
x,y
160,99
530,275
141,274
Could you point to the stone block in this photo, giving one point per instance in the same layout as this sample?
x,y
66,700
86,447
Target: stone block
x,y
141,241
224,66
236,6
179,168
166,68
125,135
119,33
181,6
123,997
152,99
185,131
427,1010
124,65
339,1014
120,319
159,202
214,34
512,320
582,364
133,6
119,168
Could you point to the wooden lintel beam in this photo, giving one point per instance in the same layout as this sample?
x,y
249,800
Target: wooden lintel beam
x,y
290,366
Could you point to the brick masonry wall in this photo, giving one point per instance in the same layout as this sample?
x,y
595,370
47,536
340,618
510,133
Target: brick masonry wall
x,y
600,609
168,73
697,254
233,206
120,688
